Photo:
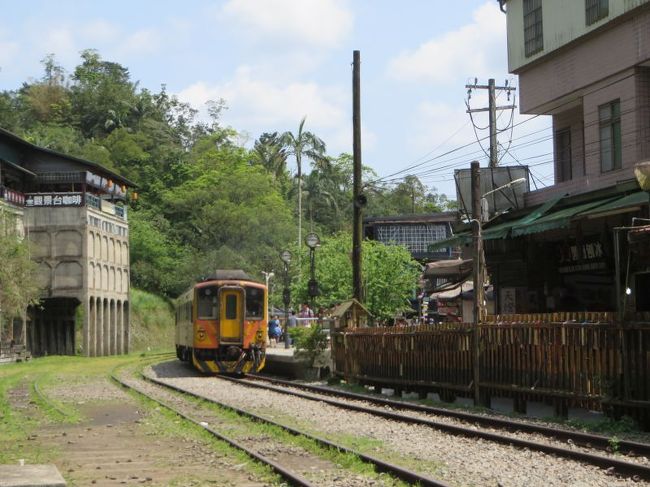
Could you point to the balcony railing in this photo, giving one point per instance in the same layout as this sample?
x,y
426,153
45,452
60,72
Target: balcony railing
x,y
12,196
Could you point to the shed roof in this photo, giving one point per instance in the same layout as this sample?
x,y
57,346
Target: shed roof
x,y
341,308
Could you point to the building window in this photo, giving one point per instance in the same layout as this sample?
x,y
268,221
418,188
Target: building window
x,y
563,154
533,32
610,135
596,10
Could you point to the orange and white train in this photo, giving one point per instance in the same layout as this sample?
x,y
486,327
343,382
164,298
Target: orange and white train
x,y
221,324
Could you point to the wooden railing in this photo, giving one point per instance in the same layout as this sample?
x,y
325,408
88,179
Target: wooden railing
x,y
577,359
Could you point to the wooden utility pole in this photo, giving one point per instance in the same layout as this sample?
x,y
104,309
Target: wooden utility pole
x,y
492,112
478,276
357,197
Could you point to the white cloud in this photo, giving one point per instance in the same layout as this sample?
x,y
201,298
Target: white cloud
x,y
99,31
316,22
143,41
8,52
256,104
469,50
256,101
59,41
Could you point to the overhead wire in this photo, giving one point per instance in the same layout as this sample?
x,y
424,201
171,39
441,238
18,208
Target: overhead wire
x,y
560,105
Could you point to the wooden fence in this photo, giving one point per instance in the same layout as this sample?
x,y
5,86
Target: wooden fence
x,y
581,361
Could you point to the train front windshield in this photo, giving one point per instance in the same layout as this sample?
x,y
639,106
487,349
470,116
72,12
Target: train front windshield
x,y
254,303
208,303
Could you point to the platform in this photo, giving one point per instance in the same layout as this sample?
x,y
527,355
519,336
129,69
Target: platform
x,y
30,476
281,361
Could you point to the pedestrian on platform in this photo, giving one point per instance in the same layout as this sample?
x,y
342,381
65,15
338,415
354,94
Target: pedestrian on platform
x,y
275,331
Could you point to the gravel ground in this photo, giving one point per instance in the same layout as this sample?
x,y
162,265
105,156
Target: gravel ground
x,y
456,422
318,470
452,459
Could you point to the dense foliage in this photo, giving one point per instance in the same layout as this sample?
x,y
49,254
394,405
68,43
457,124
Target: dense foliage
x,y
18,281
206,201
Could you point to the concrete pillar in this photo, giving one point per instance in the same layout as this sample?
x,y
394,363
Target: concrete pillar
x,y
127,327
88,306
99,351
106,343
120,327
113,326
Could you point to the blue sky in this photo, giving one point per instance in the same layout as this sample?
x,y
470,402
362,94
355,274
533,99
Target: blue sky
x,y
276,61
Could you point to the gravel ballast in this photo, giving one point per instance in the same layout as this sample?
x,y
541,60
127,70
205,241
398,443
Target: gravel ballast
x,y
452,459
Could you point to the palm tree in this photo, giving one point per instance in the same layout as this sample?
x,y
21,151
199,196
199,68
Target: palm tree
x,y
307,144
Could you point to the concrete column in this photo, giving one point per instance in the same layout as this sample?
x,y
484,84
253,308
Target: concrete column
x,y
106,344
99,351
113,325
127,327
88,307
120,327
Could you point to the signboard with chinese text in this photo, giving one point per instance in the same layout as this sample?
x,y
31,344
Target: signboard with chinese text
x,y
508,300
54,199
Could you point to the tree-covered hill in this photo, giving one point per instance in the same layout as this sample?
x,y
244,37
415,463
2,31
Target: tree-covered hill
x,y
204,201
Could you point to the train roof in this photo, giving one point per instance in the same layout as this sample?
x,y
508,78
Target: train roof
x,y
228,275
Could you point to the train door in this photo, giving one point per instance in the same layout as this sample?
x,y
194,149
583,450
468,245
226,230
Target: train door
x,y
231,328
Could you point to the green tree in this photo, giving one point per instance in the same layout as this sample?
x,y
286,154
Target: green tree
x,y
103,96
308,145
17,272
390,275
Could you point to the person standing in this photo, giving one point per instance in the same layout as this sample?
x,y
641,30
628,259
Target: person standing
x,y
275,331
292,322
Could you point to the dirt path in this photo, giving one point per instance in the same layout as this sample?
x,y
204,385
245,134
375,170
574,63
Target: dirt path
x,y
120,444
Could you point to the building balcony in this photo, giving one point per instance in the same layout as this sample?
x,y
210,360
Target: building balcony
x,y
11,196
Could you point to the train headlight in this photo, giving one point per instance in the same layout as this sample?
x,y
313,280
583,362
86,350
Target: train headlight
x,y
259,336
200,334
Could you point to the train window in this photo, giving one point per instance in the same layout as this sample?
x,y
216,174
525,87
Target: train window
x,y
208,302
254,303
231,307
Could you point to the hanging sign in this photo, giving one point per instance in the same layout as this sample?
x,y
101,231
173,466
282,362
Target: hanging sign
x,y
54,199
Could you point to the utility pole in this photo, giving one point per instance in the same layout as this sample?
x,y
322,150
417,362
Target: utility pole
x,y
478,276
492,111
358,199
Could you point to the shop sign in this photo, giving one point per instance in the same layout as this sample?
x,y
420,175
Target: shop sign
x,y
508,300
54,199
589,256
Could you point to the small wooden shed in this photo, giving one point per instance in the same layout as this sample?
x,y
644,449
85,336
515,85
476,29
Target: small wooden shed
x,y
350,314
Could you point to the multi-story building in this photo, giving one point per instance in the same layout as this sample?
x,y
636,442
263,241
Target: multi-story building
x,y
586,63
74,214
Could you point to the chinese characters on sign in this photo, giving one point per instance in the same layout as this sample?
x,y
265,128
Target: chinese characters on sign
x,y
508,300
54,199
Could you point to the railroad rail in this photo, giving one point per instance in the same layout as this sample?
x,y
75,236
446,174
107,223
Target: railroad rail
x,y
587,440
622,467
290,477
294,479
380,465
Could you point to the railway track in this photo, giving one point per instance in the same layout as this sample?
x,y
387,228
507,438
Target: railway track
x,y
585,440
287,474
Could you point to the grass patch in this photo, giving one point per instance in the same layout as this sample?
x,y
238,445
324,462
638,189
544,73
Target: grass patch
x,y
162,422
239,427
152,322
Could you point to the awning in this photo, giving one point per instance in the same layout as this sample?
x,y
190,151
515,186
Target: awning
x,y
448,267
457,240
498,230
557,219
631,202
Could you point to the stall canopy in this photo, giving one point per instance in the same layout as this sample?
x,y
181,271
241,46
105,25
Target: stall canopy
x,y
500,230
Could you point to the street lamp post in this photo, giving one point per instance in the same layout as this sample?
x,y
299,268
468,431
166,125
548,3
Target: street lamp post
x,y
285,255
312,242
